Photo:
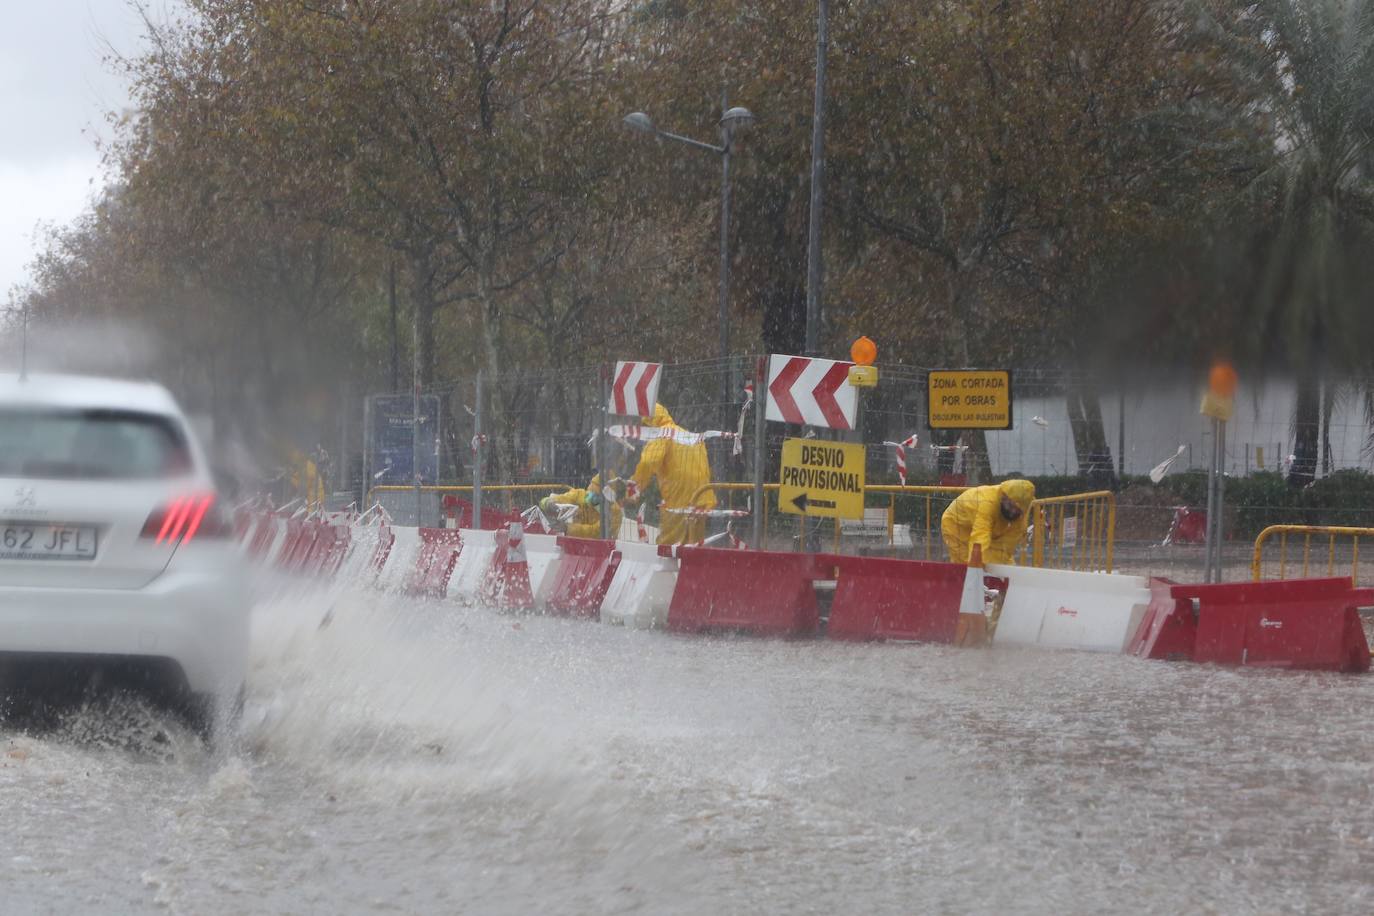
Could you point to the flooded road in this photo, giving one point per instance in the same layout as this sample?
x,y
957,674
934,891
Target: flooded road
x,y
414,758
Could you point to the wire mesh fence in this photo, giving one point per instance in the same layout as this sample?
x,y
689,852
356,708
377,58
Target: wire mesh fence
x,y
1067,432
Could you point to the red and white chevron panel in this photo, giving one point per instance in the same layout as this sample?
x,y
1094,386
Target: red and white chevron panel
x,y
634,390
811,391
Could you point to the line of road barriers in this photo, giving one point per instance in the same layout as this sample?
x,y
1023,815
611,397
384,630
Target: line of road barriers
x,y
1076,532
1305,624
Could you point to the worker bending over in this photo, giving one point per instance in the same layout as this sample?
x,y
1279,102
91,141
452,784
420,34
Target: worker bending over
x,y
993,517
586,522
682,469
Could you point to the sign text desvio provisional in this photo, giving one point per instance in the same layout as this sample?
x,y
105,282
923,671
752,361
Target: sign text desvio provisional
x,y
822,478
969,398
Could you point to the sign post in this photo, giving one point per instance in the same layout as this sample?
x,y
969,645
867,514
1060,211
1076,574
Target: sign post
x,y
601,452
760,447
477,456
1218,403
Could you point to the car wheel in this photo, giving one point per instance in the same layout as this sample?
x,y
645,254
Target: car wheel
x,y
215,717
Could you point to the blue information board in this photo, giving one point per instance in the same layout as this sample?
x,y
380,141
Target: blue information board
x,y
390,423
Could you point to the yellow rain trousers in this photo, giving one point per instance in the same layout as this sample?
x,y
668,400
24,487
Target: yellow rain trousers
x,y
681,471
305,480
587,522
976,518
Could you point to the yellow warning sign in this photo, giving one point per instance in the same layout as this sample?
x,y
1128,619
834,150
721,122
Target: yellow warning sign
x,y
969,398
822,478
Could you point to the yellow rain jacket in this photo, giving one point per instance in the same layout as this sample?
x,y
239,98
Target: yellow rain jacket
x,y
305,479
587,522
681,471
976,518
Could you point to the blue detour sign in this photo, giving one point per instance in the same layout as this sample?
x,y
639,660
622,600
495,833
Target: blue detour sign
x,y
390,440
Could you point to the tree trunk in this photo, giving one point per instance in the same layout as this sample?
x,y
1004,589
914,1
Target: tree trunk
x,y
1307,423
1089,436
422,299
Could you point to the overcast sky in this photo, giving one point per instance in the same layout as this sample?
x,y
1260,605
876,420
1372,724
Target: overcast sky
x,y
54,92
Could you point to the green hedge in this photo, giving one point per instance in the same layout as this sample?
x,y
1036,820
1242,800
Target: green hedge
x,y
1253,502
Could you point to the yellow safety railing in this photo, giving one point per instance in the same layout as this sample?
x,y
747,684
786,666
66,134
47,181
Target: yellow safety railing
x,y
1330,533
509,489
1076,532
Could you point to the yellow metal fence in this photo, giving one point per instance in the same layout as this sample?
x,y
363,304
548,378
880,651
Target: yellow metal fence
x,y
1341,547
509,491
1075,532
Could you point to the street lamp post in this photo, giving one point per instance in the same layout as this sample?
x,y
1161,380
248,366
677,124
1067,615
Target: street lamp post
x,y
731,120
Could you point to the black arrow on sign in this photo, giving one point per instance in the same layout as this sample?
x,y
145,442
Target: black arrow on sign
x,y
802,500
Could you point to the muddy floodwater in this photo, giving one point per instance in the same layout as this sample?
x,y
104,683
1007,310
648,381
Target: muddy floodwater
x,y
422,758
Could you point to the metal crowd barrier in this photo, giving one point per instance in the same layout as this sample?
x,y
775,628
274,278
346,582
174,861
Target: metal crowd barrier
x,y
510,490
1074,532
1332,535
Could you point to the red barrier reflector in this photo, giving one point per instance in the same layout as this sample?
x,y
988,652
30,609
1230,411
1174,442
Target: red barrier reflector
x,y
757,591
879,598
1169,628
439,548
1298,623
584,574
507,586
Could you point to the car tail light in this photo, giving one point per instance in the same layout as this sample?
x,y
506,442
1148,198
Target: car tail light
x,y
186,518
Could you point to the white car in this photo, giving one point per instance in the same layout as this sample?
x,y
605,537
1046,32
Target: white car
x,y
117,558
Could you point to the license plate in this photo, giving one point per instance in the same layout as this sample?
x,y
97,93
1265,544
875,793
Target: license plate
x,y
22,541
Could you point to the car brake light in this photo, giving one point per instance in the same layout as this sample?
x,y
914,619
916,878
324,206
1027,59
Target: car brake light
x,y
185,518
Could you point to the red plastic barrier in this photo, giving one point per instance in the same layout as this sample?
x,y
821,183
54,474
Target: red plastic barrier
x,y
327,553
460,511
300,538
1169,628
878,598
439,549
1300,623
1188,527
585,570
757,591
507,585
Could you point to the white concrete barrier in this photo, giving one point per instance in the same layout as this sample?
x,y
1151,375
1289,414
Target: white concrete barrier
x,y
642,587
274,547
1099,612
543,555
400,560
470,572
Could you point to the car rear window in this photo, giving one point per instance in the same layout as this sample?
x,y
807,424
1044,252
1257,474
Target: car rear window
x,y
90,445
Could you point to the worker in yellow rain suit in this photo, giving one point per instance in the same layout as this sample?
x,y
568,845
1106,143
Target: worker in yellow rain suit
x,y
306,482
993,517
586,523
682,470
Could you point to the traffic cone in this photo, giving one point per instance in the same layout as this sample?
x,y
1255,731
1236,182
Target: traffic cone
x,y
508,578
972,630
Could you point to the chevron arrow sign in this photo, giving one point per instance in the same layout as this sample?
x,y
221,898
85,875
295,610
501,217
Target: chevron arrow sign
x,y
811,391
634,389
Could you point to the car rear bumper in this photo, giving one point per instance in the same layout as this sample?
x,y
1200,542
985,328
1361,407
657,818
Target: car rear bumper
x,y
200,620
